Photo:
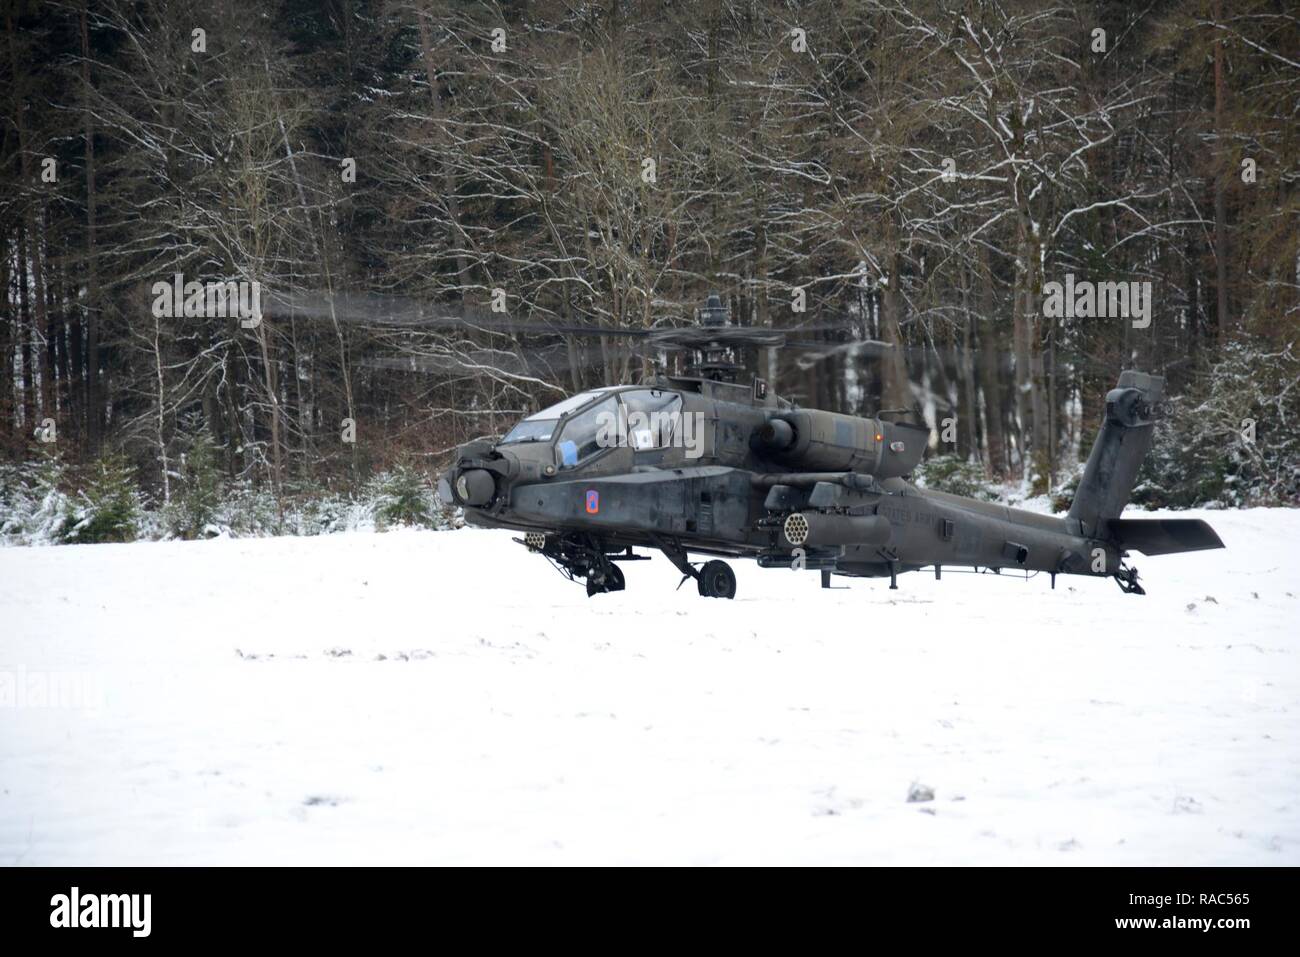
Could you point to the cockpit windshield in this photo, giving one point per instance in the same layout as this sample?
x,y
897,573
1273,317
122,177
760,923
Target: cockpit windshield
x,y
540,426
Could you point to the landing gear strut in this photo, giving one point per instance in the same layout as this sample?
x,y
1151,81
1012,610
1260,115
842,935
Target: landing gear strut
x,y
714,580
1127,579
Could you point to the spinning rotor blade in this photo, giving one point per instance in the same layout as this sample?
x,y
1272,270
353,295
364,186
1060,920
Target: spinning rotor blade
x,y
823,350
554,362
414,314
404,312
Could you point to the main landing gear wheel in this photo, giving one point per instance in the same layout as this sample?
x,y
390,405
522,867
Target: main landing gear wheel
x,y
611,580
716,580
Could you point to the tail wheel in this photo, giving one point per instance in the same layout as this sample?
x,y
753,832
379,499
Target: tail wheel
x,y
716,580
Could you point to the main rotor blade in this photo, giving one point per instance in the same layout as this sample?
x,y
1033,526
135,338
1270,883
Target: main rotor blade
x,y
404,312
414,314
554,361
822,350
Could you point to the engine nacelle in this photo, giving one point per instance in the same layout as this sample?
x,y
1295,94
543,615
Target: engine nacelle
x,y
831,442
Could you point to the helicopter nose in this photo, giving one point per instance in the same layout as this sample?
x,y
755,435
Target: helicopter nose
x,y
474,487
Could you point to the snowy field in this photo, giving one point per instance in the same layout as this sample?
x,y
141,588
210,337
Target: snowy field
x,y
445,697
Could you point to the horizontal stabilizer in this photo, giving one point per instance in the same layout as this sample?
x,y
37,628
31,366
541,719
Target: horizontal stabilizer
x,y
1163,536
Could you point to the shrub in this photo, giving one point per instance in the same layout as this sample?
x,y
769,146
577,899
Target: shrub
x,y
107,509
194,510
1063,495
955,475
249,510
34,510
1204,452
403,496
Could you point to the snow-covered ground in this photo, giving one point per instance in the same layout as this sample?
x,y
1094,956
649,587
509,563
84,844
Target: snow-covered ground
x,y
445,697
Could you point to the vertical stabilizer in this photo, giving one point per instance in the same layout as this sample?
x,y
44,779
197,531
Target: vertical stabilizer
x,y
1125,437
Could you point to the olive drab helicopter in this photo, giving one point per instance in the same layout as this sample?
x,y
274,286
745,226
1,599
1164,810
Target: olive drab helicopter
x,y
703,466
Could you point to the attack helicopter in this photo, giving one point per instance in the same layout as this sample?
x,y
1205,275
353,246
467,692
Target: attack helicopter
x,y
702,466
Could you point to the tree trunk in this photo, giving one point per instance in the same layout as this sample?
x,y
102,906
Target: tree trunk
x,y
969,415
455,239
896,392
1030,386
49,402
8,326
270,380
94,403
989,355
1221,174
26,358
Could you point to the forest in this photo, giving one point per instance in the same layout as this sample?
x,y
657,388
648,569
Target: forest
x,y
460,212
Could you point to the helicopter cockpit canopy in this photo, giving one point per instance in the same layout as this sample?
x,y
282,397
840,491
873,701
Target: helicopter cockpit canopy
x,y
583,425
540,426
